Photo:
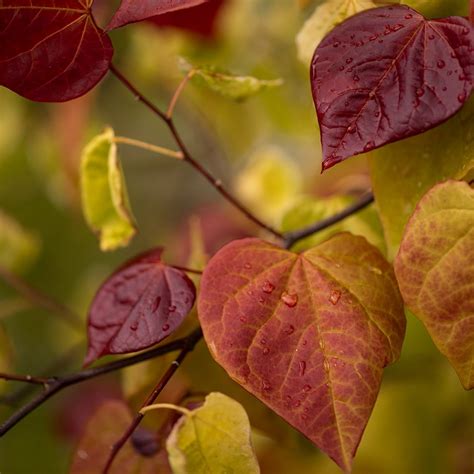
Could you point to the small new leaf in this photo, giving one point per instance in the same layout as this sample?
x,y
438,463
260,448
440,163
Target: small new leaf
x,y
214,438
387,74
104,194
227,84
308,334
435,271
139,305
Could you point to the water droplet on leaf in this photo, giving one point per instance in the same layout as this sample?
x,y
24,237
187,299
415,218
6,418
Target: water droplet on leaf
x,y
335,297
268,287
290,299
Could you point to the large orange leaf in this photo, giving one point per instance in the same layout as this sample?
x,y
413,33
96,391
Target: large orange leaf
x,y
307,334
435,270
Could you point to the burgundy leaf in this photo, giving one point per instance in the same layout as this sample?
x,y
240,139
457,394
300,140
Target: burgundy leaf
x,y
51,50
387,74
138,306
131,11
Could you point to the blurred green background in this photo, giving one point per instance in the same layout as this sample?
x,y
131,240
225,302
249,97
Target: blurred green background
x,y
267,150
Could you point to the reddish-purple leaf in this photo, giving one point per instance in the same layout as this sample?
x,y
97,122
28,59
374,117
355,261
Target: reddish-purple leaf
x,y
387,74
131,11
51,51
138,306
307,334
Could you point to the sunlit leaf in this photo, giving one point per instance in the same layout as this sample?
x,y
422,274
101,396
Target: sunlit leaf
x,y
51,51
435,271
309,210
214,438
110,420
308,334
387,74
227,84
403,172
326,16
131,11
18,247
138,306
104,194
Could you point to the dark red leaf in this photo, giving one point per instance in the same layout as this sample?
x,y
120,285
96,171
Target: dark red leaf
x,y
138,306
201,20
387,74
131,11
51,51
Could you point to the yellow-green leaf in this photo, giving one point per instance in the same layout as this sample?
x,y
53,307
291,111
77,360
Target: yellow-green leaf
x,y
309,210
326,16
104,194
435,271
229,85
404,171
213,439
18,248
439,8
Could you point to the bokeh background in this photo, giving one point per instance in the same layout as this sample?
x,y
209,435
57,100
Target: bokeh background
x,y
267,151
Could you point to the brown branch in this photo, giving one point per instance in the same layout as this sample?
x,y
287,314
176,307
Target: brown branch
x,y
292,238
54,385
189,345
216,183
178,92
40,299
24,378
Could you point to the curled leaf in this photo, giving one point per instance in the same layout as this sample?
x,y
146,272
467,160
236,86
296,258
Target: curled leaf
x,y
227,84
435,271
51,51
213,438
307,334
105,200
387,74
139,305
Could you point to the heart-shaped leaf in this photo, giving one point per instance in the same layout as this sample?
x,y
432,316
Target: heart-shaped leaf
x,y
131,11
307,334
51,51
138,306
435,270
387,74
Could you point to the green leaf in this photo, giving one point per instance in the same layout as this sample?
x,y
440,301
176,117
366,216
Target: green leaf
x,y
439,8
309,210
18,248
105,200
435,272
227,84
404,171
215,438
326,16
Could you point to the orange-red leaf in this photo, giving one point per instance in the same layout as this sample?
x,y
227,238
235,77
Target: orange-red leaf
x,y
307,334
51,50
435,270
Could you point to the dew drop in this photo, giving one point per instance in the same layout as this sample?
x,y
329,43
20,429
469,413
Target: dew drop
x,y
306,388
134,326
349,60
335,297
420,92
263,341
266,386
453,54
290,330
302,366
431,37
336,44
165,327
369,146
441,64
444,89
305,342
373,37
266,350
351,129
408,16
248,266
465,31
290,299
297,403
341,68
462,77
268,287
377,114
376,270
261,300
243,319
304,417
356,78
462,97
171,308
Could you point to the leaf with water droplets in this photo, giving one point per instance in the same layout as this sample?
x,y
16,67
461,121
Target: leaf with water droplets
x,y
387,74
435,271
213,438
51,51
308,334
138,306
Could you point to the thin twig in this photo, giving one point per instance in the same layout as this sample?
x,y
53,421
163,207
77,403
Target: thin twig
x,y
187,270
292,238
216,183
189,345
149,147
24,378
40,299
56,384
177,94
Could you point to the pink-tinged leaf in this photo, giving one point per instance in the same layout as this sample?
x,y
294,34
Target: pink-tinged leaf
x,y
435,271
51,51
131,11
307,334
138,306
387,74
